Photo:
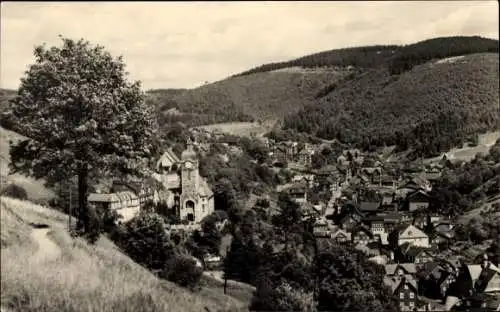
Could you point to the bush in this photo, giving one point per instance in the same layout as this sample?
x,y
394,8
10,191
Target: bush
x,y
15,191
145,239
183,271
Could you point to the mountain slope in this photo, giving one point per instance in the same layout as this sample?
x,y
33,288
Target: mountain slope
x,y
272,91
259,96
82,277
430,108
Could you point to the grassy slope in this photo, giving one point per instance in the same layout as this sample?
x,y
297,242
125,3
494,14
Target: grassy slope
x,y
84,278
35,188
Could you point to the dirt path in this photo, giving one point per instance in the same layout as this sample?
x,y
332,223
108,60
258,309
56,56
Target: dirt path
x,y
47,249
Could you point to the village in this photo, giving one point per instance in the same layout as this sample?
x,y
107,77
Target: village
x,y
381,213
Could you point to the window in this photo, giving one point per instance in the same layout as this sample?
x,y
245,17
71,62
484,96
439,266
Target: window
x,y
190,217
203,207
412,295
406,287
412,304
401,295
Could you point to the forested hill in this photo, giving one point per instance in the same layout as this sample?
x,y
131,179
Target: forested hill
x,y
429,108
396,58
274,90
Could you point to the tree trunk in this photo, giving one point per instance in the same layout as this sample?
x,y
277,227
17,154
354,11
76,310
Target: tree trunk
x,y
83,218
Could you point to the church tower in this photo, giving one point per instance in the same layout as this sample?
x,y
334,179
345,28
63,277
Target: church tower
x,y
189,183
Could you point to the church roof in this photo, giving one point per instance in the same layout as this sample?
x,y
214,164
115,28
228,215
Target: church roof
x,y
169,158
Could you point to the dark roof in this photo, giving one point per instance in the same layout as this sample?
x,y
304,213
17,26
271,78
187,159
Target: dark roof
x,y
369,206
361,228
413,251
417,194
299,187
392,217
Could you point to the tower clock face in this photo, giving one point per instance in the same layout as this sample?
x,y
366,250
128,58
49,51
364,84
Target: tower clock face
x,y
188,165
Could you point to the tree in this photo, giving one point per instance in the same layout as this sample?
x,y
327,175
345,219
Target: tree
x,y
348,282
183,271
81,116
289,220
145,239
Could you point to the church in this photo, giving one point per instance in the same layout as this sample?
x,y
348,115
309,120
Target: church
x,y
189,195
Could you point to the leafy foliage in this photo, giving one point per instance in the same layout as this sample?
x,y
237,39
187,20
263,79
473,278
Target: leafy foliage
x,y
145,240
348,282
461,186
82,117
14,191
183,271
242,260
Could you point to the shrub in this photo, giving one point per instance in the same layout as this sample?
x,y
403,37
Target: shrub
x,y
183,271
15,191
145,239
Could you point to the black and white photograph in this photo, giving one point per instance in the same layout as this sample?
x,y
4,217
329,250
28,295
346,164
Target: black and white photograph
x,y
249,156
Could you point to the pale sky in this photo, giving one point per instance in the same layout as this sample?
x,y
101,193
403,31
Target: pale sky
x,y
182,44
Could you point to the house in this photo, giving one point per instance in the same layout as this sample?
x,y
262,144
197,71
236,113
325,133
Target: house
x,y
417,200
417,255
420,221
212,262
305,155
146,191
387,202
376,224
321,228
167,162
280,155
405,290
369,208
400,269
125,204
484,279
415,183
372,174
298,193
193,199
361,235
488,280
391,220
341,236
410,234
434,280
349,221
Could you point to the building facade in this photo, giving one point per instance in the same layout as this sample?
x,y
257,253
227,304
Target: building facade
x,y
193,199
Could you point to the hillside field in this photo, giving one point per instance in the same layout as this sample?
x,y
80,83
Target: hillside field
x,y
241,128
69,275
34,188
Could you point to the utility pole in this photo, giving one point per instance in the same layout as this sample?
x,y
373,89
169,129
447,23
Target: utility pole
x,y
69,207
225,275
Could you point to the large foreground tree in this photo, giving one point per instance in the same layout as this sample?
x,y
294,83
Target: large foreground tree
x,y
81,117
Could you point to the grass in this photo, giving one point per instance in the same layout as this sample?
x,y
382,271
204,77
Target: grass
x,y
84,277
241,128
34,188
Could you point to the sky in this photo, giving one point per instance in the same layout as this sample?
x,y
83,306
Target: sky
x,y
185,44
